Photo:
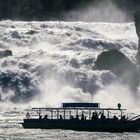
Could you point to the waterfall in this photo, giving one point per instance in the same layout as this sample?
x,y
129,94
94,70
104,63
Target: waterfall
x,y
53,62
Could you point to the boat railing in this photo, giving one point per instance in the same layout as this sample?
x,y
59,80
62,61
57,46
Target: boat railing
x,y
134,118
67,112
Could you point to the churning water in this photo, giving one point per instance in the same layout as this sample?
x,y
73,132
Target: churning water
x,y
53,62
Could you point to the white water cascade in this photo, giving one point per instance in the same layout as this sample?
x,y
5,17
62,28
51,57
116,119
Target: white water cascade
x,y
53,62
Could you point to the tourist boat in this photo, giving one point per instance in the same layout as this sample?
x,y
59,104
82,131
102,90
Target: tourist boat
x,y
82,117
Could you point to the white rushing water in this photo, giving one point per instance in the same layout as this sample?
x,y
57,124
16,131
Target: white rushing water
x,y
53,62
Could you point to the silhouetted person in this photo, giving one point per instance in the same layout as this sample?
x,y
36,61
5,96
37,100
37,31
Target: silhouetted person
x,y
82,117
45,117
40,117
27,115
102,116
71,117
123,118
60,117
94,116
115,117
77,117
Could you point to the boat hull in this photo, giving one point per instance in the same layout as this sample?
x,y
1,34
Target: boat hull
x,y
83,125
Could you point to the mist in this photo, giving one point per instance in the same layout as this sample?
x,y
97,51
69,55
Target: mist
x,y
55,92
99,11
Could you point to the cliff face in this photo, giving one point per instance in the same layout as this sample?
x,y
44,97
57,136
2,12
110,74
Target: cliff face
x,y
137,25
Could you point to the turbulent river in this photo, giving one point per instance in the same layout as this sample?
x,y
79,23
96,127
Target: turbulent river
x,y
53,62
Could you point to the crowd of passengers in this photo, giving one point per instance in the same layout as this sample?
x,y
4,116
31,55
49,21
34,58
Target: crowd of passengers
x,y
95,116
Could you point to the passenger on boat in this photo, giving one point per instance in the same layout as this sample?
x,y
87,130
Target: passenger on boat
x,y
45,117
71,117
94,116
115,117
123,118
103,117
61,117
27,115
82,117
40,117
77,117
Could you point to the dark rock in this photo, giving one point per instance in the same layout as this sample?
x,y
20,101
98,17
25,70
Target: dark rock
x,y
137,22
74,63
137,25
15,34
31,32
120,65
88,61
5,53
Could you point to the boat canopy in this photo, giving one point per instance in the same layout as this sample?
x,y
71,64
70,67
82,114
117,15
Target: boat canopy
x,y
81,106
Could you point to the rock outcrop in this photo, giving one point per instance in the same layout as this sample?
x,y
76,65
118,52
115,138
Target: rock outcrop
x,y
137,25
120,65
5,53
